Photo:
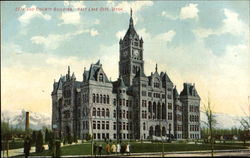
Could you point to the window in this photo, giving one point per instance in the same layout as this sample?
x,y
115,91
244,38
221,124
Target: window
x,y
149,94
98,112
103,112
107,99
93,98
100,98
94,111
101,77
98,125
114,126
114,136
126,103
114,102
169,106
114,114
97,98
103,124
144,126
169,116
144,93
107,125
104,99
107,112
123,114
94,124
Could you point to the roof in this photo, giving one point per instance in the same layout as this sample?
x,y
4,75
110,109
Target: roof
x,y
189,90
93,72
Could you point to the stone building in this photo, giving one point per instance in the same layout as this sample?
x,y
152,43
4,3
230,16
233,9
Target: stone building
x,y
135,106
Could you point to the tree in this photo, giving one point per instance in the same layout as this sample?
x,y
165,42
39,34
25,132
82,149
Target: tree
x,y
211,122
39,142
245,124
47,135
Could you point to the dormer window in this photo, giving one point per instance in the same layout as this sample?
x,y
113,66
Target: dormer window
x,y
157,83
101,78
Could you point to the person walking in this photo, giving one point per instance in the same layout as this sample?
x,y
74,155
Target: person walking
x,y
107,148
118,148
95,148
113,148
128,149
100,149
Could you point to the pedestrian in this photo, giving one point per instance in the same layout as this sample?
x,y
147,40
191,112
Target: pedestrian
x,y
113,148
107,148
128,149
27,146
95,148
118,148
100,149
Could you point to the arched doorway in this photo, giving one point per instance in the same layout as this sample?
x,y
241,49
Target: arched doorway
x,y
151,131
163,131
157,131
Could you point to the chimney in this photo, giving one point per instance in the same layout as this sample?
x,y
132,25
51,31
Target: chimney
x,y
27,122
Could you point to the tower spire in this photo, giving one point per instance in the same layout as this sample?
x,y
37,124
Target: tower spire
x,y
131,12
156,68
131,23
68,70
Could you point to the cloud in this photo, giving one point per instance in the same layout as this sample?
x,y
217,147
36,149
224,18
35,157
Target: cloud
x,y
165,14
73,17
70,18
189,12
166,37
58,39
231,24
27,16
93,32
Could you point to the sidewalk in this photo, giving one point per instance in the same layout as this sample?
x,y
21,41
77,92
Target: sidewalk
x,y
19,152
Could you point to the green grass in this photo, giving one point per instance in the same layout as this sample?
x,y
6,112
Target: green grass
x,y
137,147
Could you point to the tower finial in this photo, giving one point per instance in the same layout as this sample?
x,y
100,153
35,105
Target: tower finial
x,y
131,12
156,68
68,70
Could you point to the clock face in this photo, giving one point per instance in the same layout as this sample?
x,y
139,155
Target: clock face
x,y
136,53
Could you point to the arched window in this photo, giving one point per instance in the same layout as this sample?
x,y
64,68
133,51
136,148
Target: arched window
x,y
94,124
107,125
101,77
154,110
107,99
103,112
97,98
98,124
107,112
94,111
104,99
94,98
98,112
100,98
164,113
158,111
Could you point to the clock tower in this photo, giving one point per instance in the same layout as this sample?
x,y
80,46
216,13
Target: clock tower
x,y
131,54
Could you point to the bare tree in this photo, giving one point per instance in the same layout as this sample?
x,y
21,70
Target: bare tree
x,y
211,122
245,124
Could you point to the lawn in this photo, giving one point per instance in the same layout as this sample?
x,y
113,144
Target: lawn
x,y
136,147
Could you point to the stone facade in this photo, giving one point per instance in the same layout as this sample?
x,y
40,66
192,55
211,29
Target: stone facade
x,y
135,106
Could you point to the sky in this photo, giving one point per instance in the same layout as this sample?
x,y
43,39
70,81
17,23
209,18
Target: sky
x,y
201,42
